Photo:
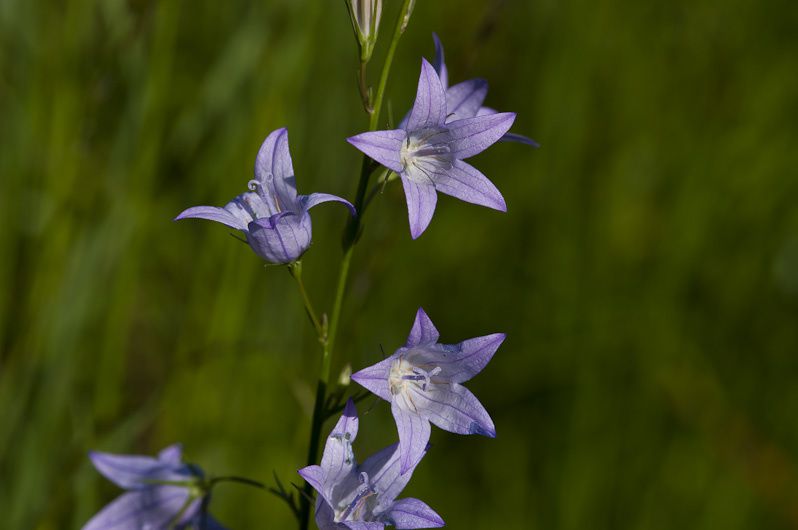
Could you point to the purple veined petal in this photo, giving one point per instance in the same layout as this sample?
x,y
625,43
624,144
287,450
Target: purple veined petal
x,y
282,238
486,111
212,213
471,136
250,206
413,513
440,63
461,362
313,475
132,471
453,408
464,100
519,138
325,517
421,201
375,378
429,109
209,523
468,184
423,330
338,461
382,146
384,470
309,201
363,525
275,171
414,431
172,455
151,508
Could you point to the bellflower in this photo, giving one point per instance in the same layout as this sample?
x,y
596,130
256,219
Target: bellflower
x,y
274,219
422,381
363,496
163,493
428,152
464,100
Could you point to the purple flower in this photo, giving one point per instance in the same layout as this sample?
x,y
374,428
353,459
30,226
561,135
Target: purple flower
x,y
363,497
464,100
422,380
163,493
273,217
428,152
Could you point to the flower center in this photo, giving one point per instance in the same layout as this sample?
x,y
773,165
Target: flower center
x,y
357,510
404,373
423,154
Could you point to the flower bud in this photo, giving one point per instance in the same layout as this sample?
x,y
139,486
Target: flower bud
x,y
365,15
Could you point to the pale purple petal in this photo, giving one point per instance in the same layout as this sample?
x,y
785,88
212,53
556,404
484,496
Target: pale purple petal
x,y
429,110
309,201
274,169
453,408
338,461
172,455
421,200
325,517
519,138
209,523
384,470
423,330
375,378
212,213
414,432
471,136
282,238
468,184
486,111
313,475
151,508
383,146
461,362
464,100
250,206
134,472
413,513
363,525
440,63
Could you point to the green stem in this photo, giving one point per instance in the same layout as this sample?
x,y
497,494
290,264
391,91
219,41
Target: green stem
x,y
351,235
295,269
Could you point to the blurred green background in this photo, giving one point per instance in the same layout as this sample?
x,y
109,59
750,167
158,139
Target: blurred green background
x,y
646,273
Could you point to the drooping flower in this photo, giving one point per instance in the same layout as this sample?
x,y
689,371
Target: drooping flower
x,y
464,100
163,493
273,217
363,496
428,152
423,382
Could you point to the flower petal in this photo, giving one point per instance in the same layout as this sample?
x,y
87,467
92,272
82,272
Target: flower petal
x,y
133,471
309,201
363,525
212,213
413,513
429,110
375,378
384,471
382,146
414,431
461,362
468,184
338,461
274,169
203,522
470,136
519,138
281,238
313,475
150,508
172,455
464,100
421,201
440,63
453,408
423,330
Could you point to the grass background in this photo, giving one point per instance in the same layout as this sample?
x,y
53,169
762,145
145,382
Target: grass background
x,y
646,273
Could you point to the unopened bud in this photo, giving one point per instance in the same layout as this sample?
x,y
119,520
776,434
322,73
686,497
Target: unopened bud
x,y
365,15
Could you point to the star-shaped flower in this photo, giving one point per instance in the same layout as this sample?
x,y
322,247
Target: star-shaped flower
x,y
422,381
428,152
274,219
464,100
363,497
163,493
